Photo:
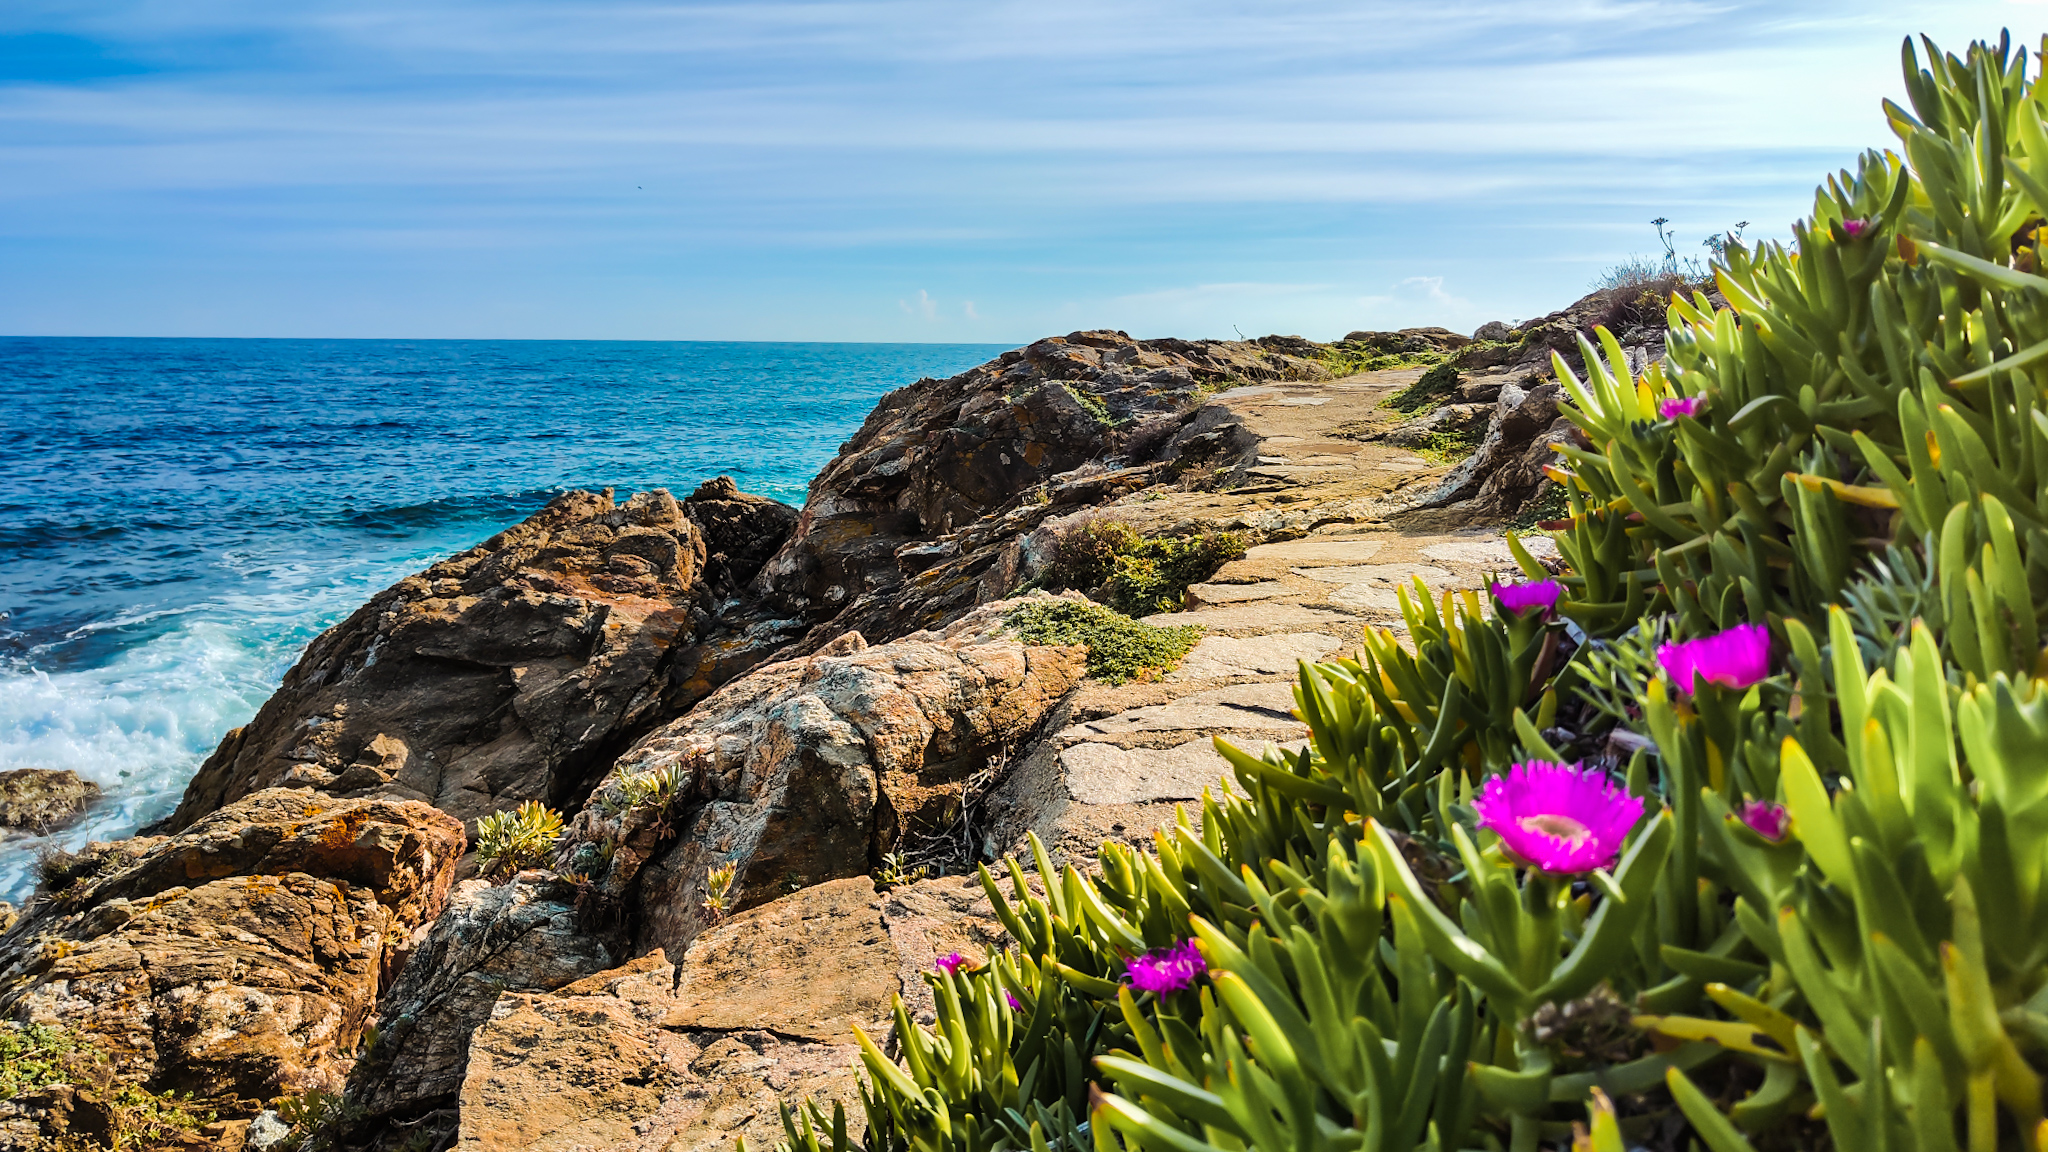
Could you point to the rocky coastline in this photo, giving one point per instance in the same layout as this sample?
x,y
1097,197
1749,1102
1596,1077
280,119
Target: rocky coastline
x,y
780,740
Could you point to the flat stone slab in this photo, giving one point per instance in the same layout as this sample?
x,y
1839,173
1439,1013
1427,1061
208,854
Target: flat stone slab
x,y
1257,618
1317,553
1488,551
1265,707
1106,774
1273,655
1367,598
1240,593
1383,574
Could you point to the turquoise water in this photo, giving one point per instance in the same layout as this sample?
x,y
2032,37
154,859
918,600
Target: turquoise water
x,y
179,518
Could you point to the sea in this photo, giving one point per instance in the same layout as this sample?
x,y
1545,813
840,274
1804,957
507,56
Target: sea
x,y
180,517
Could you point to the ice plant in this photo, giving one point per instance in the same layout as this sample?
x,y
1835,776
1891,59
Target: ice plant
x,y
1672,407
950,963
1559,817
1737,658
1167,969
1529,594
1010,998
1766,819
1854,229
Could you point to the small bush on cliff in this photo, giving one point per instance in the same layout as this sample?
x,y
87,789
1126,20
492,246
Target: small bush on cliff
x,y
1140,576
1120,649
507,842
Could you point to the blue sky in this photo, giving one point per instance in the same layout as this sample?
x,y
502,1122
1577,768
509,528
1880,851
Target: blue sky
x,y
923,170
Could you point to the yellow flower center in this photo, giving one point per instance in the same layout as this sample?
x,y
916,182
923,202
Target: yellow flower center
x,y
1551,824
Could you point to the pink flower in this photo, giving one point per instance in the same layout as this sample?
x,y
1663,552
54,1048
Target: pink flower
x,y
1520,598
1559,817
1854,229
1010,998
1737,658
1168,969
950,963
1672,407
1768,820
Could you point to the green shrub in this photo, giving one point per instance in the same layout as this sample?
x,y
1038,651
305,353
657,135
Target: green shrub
x,y
1141,576
1828,928
1120,649
507,842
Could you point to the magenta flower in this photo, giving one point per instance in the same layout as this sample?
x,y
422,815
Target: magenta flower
x,y
1010,998
1672,407
950,963
1854,229
1768,820
1559,817
1520,598
1168,969
1737,658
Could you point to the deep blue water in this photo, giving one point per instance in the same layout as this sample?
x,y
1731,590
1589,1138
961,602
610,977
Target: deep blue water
x,y
178,518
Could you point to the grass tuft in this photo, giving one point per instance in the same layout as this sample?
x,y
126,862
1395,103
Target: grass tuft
x,y
1120,649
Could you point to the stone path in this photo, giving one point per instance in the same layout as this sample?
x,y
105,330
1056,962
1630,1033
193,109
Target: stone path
x,y
1118,760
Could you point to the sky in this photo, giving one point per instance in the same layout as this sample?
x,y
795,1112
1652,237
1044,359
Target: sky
x,y
903,170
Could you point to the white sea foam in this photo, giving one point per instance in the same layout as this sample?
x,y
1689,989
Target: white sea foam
x,y
140,724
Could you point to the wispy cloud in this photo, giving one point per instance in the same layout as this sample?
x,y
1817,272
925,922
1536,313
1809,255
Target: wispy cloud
x,y
762,167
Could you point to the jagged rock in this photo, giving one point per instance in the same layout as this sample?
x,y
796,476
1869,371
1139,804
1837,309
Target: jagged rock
x,y
811,769
918,517
37,801
239,959
686,1057
1507,467
504,673
521,936
1493,331
741,532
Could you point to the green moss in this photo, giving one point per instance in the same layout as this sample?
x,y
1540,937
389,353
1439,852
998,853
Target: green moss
x,y
1436,386
36,1056
1120,649
1089,402
1550,503
1449,447
1351,359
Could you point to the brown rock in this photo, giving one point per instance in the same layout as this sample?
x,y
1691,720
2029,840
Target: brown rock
x,y
760,1014
521,936
240,958
811,769
41,800
502,674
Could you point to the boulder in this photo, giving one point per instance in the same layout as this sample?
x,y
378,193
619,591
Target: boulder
x,y
1493,332
505,673
1446,420
38,801
812,769
239,959
687,1056
1506,469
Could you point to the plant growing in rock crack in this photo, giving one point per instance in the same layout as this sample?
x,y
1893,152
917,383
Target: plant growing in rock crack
x,y
896,871
509,842
718,889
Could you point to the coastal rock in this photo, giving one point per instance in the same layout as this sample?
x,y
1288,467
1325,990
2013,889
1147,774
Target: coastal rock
x,y
521,936
1408,340
505,673
919,516
239,959
1493,331
811,769
37,801
687,1056
1505,470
